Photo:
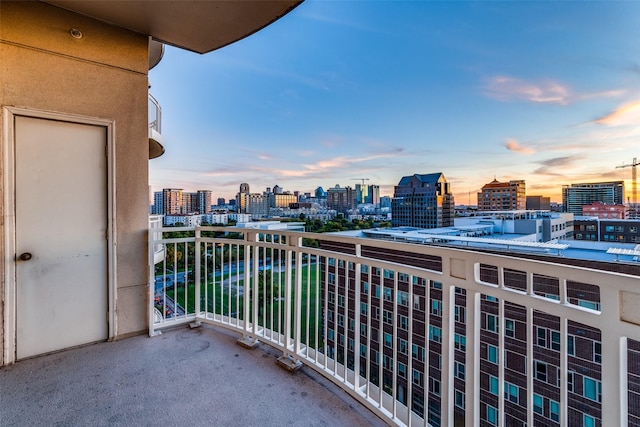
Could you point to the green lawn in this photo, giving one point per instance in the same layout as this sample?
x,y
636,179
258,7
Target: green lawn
x,y
229,301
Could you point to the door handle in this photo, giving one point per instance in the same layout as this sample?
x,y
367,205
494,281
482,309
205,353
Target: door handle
x,y
25,256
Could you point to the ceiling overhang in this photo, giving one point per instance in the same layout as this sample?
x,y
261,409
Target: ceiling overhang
x,y
199,26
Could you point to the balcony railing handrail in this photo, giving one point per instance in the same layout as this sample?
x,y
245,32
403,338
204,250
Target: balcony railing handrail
x,y
235,278
156,122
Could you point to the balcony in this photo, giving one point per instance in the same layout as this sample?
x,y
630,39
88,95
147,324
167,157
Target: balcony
x,y
420,335
194,377
156,147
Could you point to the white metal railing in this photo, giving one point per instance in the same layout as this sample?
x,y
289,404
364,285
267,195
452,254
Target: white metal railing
x,y
155,115
419,334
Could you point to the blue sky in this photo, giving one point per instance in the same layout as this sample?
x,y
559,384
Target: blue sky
x,y
335,91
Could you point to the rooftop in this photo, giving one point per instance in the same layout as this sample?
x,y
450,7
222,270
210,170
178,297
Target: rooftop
x,y
184,376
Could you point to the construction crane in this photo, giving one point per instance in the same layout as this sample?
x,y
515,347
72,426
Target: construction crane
x,y
634,185
364,179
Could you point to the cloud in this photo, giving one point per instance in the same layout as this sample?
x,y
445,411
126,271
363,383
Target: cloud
x,y
505,88
513,145
626,114
557,166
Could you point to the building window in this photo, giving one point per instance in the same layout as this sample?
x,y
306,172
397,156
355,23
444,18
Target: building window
x,y
436,307
509,328
588,421
434,386
340,300
402,370
459,370
492,415
365,288
404,323
459,399
538,401
363,329
555,340
540,371
435,333
541,336
591,389
460,314
511,392
417,352
460,342
416,302
597,352
387,362
387,317
403,298
417,377
554,410
491,323
571,345
388,341
493,384
436,285
570,382
363,308
492,353
403,346
388,294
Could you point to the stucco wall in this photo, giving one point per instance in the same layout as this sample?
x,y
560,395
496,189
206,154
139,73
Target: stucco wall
x,y
103,75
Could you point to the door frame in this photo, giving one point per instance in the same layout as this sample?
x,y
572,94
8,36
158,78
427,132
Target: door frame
x,y
8,183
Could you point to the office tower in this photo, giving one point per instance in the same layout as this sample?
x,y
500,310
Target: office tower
x,y
575,196
502,196
374,195
423,201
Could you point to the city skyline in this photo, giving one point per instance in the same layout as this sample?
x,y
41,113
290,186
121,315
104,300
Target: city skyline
x,y
339,91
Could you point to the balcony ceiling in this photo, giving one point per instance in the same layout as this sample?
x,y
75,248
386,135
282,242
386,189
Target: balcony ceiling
x,y
200,26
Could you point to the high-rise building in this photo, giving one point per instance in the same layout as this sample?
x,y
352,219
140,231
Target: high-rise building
x,y
575,196
423,201
158,205
342,199
221,201
204,201
362,193
374,195
502,196
172,201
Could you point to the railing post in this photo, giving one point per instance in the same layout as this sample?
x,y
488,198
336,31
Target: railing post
x,y
197,284
152,284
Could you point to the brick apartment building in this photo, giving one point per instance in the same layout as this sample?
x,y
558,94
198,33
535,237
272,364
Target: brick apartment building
x,y
392,335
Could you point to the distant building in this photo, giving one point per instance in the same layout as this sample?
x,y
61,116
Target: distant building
x,y
374,195
538,203
575,196
158,206
320,193
502,196
385,202
604,211
221,201
204,201
172,201
607,230
423,201
342,199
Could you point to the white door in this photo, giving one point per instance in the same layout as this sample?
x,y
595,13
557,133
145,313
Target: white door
x,y
61,224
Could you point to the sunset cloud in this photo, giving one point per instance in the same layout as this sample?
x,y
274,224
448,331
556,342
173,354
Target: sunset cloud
x,y
504,88
623,115
513,145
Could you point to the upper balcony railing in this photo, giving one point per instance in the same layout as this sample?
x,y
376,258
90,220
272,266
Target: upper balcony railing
x,y
156,148
421,335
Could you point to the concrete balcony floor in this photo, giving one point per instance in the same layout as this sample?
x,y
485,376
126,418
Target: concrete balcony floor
x,y
196,377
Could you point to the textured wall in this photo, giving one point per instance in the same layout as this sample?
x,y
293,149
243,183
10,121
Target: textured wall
x,y
103,75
